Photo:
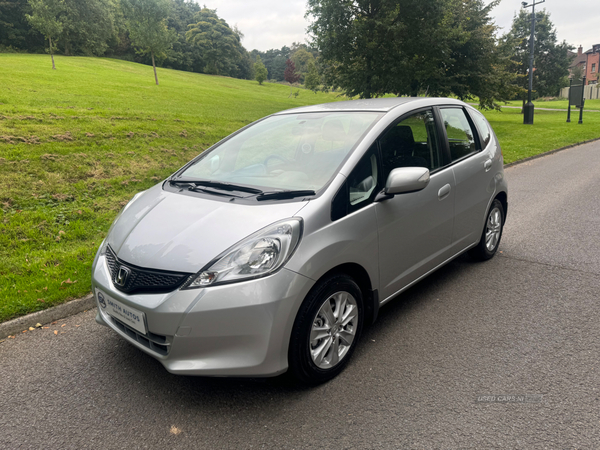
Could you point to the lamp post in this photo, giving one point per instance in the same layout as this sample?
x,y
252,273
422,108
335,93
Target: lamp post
x,y
528,110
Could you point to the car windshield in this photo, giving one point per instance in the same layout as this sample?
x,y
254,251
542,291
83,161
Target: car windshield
x,y
286,152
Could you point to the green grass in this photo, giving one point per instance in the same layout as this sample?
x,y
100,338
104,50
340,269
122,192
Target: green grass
x,y
549,131
559,104
77,143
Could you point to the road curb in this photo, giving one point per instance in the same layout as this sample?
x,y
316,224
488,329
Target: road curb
x,y
541,155
46,316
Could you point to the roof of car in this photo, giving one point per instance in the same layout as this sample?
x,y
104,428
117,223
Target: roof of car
x,y
369,104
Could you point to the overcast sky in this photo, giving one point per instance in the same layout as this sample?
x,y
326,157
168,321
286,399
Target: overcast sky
x,y
270,24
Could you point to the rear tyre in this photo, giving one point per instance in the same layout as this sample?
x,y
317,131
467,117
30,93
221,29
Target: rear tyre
x,y
326,330
492,233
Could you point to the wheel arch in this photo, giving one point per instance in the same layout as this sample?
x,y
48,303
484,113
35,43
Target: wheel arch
x,y
502,197
361,277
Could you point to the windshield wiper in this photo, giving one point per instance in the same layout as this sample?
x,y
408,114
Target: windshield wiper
x,y
284,194
216,185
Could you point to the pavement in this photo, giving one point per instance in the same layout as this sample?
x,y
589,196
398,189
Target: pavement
x,y
501,354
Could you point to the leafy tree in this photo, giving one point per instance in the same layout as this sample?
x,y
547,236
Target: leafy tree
x,y
15,30
88,26
290,74
551,59
219,44
260,70
243,66
302,58
312,80
47,17
184,55
274,60
146,20
407,47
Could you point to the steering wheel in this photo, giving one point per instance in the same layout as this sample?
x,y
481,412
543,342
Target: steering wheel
x,y
270,157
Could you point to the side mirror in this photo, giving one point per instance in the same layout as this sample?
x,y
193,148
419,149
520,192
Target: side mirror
x,y
403,180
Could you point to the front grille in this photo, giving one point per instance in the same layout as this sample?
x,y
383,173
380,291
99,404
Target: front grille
x,y
139,280
154,342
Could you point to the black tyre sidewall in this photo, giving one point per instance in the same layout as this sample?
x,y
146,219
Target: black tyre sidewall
x,y
481,252
299,359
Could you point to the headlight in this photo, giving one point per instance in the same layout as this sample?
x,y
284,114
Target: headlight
x,y
259,255
102,248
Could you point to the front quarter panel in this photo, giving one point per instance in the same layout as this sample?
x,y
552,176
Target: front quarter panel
x,y
326,244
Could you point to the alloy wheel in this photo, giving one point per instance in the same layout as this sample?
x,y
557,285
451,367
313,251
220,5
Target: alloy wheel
x,y
493,229
333,330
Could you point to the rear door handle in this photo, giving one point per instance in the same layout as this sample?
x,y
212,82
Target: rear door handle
x,y
487,165
444,192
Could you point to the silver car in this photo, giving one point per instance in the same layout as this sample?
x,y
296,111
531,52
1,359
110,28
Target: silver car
x,y
273,249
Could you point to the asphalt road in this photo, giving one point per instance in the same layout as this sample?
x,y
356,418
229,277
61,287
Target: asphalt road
x,y
524,325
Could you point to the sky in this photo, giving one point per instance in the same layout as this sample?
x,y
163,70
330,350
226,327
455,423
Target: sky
x,y
270,24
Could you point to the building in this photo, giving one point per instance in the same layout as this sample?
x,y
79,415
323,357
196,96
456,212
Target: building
x,y
588,62
593,63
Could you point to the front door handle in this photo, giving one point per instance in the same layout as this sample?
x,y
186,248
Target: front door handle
x,y
444,192
487,165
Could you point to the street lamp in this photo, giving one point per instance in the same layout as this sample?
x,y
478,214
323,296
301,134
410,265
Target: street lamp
x,y
528,110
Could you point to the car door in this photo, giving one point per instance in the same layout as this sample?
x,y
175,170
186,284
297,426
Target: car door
x,y
474,180
415,229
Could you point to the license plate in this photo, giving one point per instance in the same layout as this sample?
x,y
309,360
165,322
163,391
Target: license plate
x,y
126,314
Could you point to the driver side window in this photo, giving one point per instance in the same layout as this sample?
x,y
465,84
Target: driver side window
x,y
411,143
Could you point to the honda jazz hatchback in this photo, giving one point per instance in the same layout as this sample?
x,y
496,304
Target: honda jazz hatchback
x,y
273,249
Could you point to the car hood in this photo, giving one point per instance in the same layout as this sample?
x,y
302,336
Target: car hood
x,y
170,231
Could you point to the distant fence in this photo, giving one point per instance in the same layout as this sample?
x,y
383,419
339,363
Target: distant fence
x,y
590,92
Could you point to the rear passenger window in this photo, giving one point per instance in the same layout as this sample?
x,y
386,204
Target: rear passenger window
x,y
483,128
460,135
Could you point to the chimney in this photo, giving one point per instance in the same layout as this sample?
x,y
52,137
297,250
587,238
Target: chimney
x,y
579,51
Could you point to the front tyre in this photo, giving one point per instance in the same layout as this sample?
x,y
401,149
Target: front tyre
x,y
492,233
326,330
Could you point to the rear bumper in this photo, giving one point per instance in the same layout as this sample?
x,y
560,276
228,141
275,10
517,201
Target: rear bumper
x,y
241,329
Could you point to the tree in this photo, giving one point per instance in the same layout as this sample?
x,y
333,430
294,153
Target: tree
x,y
551,59
260,70
302,58
146,20
274,60
47,18
220,46
312,80
290,74
15,30
407,47
184,55
88,26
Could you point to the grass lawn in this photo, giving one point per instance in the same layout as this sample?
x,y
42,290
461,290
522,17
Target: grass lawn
x,y
560,104
77,143
549,131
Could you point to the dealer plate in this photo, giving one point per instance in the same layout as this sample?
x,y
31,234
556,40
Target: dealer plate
x,y
126,314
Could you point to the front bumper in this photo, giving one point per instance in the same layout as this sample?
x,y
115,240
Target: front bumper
x,y
240,329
